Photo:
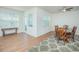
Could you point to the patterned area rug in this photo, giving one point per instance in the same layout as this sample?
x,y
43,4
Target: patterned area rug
x,y
51,45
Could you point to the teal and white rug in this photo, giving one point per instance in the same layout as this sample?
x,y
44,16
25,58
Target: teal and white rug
x,y
51,45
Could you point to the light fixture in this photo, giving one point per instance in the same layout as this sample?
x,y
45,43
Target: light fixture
x,y
67,9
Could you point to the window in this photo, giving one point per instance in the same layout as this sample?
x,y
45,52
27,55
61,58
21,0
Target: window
x,y
46,20
8,19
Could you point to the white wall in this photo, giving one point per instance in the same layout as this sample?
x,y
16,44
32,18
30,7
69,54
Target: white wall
x,y
42,28
31,30
21,22
39,27
67,18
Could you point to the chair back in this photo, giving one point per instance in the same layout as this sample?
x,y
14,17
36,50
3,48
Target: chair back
x,y
65,27
74,30
56,29
61,32
56,26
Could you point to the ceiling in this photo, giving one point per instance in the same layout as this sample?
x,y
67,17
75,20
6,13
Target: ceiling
x,y
51,9
57,9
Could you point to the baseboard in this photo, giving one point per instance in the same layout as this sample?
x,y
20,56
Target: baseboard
x,y
44,34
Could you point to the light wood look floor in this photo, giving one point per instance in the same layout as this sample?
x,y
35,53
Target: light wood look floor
x,y
20,42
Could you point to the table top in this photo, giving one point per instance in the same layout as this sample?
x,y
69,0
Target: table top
x,y
8,28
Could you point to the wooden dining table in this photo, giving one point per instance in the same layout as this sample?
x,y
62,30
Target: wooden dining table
x,y
62,34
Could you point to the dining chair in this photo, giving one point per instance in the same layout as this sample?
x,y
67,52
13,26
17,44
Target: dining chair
x,y
65,27
61,35
72,34
56,28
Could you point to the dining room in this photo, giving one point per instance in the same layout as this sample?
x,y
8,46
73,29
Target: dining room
x,y
39,29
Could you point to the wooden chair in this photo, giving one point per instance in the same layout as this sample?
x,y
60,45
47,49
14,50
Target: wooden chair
x,y
65,27
62,35
56,28
72,34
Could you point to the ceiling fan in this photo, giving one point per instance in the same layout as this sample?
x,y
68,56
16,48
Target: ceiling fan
x,y
65,9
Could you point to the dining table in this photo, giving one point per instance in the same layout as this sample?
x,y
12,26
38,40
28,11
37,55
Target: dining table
x,y
62,34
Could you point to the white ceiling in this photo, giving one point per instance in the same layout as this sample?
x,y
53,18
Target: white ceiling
x,y
52,9
57,9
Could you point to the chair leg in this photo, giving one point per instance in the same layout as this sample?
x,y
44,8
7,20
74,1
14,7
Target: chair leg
x,y
73,39
57,40
64,42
